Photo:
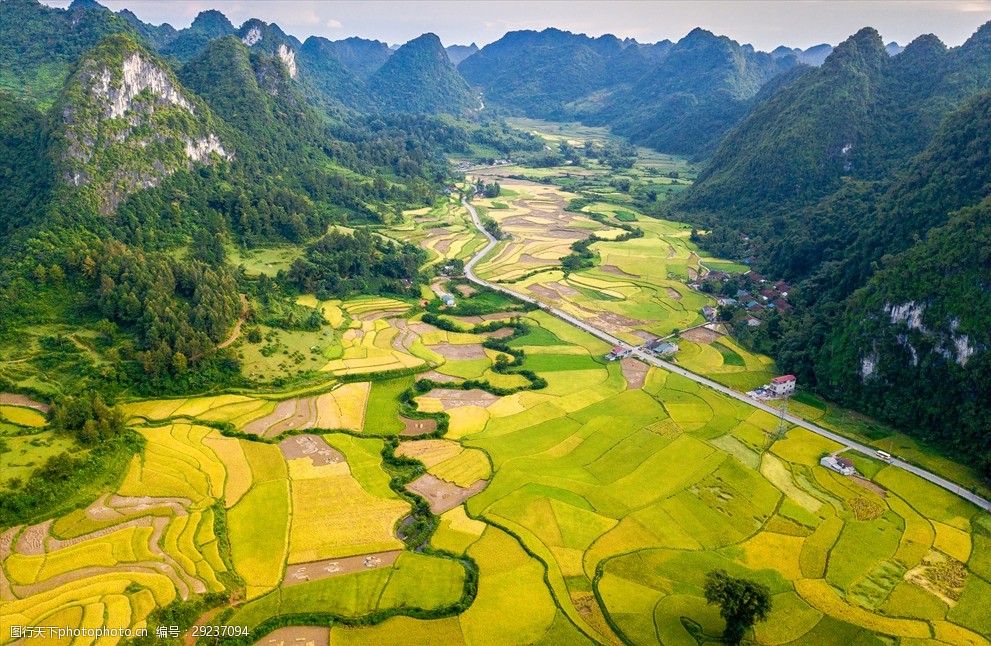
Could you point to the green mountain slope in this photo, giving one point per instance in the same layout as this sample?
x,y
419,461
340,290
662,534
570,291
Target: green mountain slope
x,y
39,43
328,77
419,78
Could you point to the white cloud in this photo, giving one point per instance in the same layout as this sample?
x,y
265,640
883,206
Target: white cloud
x,y
334,24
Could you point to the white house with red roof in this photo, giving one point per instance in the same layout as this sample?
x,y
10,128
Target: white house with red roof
x,y
783,386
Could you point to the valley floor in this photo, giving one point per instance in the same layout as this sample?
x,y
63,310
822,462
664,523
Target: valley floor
x,y
588,510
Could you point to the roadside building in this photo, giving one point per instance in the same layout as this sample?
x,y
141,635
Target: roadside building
x,y
618,352
448,300
709,313
783,386
839,465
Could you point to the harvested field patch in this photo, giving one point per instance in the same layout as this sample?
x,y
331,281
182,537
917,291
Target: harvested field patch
x,y
315,570
700,335
545,292
296,636
564,290
433,375
466,290
634,371
465,351
675,295
613,269
314,447
414,427
443,495
11,399
456,398
501,333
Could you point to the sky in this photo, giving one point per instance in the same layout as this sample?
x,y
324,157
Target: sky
x,y
763,23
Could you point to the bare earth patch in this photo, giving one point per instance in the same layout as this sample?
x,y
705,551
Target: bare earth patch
x,y
416,427
692,273
700,335
283,410
11,399
433,375
613,269
674,294
422,328
457,398
870,486
533,260
296,636
565,290
32,541
544,292
466,290
310,446
634,372
459,351
501,333
443,495
316,570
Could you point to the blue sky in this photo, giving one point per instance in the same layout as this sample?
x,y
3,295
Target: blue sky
x,y
763,23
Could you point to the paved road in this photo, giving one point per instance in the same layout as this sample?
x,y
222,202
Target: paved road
x,y
670,367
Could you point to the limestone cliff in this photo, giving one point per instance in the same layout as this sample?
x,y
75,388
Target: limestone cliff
x,y
124,123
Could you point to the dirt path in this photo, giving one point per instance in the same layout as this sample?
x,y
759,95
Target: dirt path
x,y
237,326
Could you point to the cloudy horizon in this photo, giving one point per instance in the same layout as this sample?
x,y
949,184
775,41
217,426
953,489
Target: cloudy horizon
x,y
765,24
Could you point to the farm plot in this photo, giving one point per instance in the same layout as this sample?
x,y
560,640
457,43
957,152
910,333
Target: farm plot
x,y
367,346
342,508
141,547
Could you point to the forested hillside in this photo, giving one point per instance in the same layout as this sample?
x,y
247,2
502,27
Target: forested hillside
x,y
865,182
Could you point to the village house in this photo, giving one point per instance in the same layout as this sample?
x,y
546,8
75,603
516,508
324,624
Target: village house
x,y
661,347
709,312
726,302
448,300
839,465
618,352
753,322
783,386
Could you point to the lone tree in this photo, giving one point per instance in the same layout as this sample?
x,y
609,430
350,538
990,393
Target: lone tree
x,y
742,602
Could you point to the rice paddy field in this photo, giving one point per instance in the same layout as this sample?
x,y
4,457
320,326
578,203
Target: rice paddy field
x,y
587,511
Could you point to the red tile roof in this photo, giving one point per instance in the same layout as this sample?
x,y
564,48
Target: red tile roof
x,y
783,379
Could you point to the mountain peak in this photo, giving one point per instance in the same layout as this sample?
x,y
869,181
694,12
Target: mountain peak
x,y
981,37
78,5
419,77
212,23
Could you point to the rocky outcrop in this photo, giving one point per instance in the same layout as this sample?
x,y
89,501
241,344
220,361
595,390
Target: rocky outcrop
x,y
288,57
124,123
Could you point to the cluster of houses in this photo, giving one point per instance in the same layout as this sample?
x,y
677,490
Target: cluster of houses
x,y
657,347
756,296
779,388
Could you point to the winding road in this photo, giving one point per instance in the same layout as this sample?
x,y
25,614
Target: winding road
x,y
652,360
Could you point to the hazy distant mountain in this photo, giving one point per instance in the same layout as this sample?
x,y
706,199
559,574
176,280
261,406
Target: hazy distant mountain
x,y
458,53
420,78
893,48
362,56
157,35
814,55
689,99
539,73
